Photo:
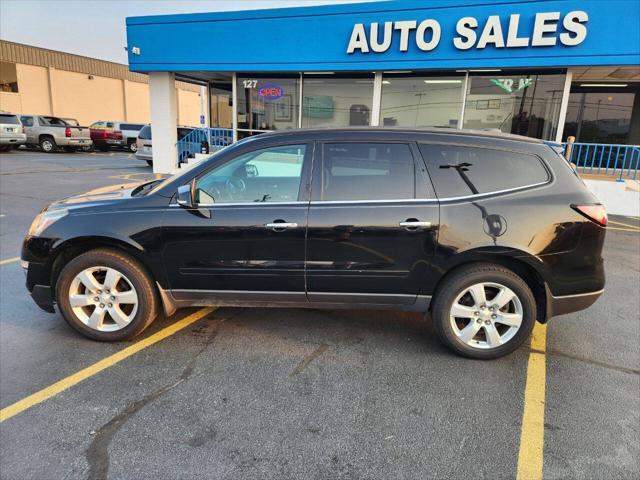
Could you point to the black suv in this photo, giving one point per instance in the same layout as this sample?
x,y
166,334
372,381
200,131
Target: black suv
x,y
487,232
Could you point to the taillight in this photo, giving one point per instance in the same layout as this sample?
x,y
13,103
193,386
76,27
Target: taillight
x,y
595,213
117,135
67,132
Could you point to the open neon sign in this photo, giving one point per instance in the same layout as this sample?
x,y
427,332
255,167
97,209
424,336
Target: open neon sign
x,y
271,92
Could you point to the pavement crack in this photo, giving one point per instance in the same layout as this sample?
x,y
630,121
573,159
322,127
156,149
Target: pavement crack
x,y
97,454
618,368
309,358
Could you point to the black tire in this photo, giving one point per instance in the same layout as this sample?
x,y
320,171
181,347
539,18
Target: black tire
x,y
132,146
148,306
5,148
150,163
461,279
48,144
103,148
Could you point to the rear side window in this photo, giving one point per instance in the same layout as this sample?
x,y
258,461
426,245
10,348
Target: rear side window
x,y
130,126
9,119
367,171
27,121
458,171
54,121
145,133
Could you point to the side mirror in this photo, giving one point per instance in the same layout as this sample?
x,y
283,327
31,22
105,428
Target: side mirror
x,y
185,196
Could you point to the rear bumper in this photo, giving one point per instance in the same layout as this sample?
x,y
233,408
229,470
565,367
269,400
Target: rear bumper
x,y
14,140
73,142
570,303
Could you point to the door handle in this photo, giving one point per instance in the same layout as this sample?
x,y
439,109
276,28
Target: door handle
x,y
414,224
280,226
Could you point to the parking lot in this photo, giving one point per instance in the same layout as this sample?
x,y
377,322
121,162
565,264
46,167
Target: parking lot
x,y
272,393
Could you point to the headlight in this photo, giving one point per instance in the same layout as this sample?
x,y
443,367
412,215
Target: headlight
x,y
44,219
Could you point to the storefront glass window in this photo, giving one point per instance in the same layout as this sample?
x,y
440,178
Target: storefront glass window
x,y
221,103
419,101
521,103
337,101
601,117
267,104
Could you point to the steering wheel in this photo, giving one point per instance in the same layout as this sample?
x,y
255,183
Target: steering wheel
x,y
235,186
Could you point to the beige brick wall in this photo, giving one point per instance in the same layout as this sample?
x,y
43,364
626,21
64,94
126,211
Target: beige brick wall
x,y
88,100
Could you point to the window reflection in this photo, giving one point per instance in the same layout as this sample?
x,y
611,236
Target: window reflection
x,y
337,101
419,101
524,104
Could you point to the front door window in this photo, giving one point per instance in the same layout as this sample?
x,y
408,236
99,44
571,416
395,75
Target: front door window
x,y
262,176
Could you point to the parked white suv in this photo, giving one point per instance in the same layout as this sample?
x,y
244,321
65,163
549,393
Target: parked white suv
x,y
11,132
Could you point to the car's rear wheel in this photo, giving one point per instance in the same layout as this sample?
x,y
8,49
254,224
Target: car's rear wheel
x,y
48,144
133,146
484,311
106,295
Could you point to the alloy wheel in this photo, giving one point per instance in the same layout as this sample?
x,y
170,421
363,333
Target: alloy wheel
x,y
103,298
486,315
47,145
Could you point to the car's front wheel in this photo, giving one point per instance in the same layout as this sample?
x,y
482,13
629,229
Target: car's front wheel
x,y
106,295
484,311
132,146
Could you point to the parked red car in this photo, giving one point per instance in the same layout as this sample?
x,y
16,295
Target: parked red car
x,y
105,136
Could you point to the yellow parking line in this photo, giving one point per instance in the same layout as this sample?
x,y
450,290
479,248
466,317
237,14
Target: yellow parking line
x,y
637,230
111,360
530,456
624,224
9,260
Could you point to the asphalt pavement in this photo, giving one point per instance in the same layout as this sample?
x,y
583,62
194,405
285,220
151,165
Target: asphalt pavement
x,y
301,394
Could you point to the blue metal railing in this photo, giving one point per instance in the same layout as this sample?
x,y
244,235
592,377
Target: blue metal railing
x,y
203,140
620,161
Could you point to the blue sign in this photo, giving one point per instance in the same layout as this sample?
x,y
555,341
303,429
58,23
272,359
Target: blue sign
x,y
392,35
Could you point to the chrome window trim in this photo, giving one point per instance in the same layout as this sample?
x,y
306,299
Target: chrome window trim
x,y
434,200
244,204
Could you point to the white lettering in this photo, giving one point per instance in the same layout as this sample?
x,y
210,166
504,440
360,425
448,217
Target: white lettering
x,y
405,28
386,41
465,28
436,32
358,39
512,36
541,26
573,22
492,33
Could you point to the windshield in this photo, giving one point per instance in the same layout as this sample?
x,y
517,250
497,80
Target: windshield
x,y
145,133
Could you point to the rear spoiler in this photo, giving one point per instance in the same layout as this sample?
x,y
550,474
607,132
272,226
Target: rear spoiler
x,y
555,146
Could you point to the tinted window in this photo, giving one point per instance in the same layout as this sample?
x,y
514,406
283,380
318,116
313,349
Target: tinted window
x,y
367,171
9,119
27,121
459,171
130,126
183,132
267,175
145,133
53,121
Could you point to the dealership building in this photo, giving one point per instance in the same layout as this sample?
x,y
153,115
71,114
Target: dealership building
x,y
544,69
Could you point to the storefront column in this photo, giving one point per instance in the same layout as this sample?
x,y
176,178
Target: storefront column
x,y
563,106
164,115
234,109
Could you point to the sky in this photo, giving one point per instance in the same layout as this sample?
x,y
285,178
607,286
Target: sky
x,y
96,28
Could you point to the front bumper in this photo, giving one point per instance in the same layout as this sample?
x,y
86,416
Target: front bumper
x,y
43,296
